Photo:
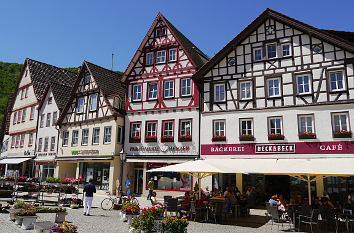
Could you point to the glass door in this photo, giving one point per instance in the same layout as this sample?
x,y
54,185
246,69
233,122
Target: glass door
x,y
138,184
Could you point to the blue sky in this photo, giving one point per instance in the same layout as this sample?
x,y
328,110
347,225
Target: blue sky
x,y
64,33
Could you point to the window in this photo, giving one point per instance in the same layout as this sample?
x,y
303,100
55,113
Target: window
x,y
160,32
152,91
246,126
186,87
135,130
87,78
185,128
30,139
19,117
257,53
80,105
65,138
24,114
40,144
22,93
149,58
151,129
245,90
219,92
275,125
306,124
167,128
42,121
26,92
32,113
75,138
93,102
169,89
49,116
46,144
137,92
22,143
50,100
303,84
120,134
336,81
161,56
273,87
285,50
55,117
13,138
271,50
107,135
219,128
172,55
15,118
85,136
340,122
17,140
96,136
52,143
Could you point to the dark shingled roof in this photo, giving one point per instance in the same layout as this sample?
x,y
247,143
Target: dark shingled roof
x,y
345,35
60,93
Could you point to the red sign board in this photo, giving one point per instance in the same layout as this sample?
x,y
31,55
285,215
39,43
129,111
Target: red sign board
x,y
340,147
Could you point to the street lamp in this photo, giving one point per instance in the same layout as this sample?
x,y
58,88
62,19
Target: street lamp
x,y
123,157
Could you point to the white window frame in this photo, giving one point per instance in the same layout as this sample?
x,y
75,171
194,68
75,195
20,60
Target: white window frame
x,y
340,122
55,118
247,129
168,89
85,137
107,134
217,97
168,128
185,126
135,129
49,117
32,112
172,55
303,84
217,130
22,142
52,143
75,138
254,53
96,136
336,80
276,52
17,140
149,58
160,56
152,95
65,136
30,139
282,49
276,126
80,104
24,111
307,127
41,125
14,122
40,144
46,144
19,117
149,130
186,87
274,88
93,102
137,92
244,89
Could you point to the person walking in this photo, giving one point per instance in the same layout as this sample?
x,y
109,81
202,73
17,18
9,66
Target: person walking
x,y
151,188
89,190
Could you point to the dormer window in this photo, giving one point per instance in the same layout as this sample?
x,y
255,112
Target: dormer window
x,y
87,78
160,32
161,56
271,50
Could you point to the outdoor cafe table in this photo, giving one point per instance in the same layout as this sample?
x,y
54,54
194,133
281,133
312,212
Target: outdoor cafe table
x,y
218,199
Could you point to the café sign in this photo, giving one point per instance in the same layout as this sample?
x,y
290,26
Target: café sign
x,y
151,149
274,148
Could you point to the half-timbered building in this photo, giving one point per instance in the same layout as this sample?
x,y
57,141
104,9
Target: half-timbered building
x,y
162,121
279,89
91,128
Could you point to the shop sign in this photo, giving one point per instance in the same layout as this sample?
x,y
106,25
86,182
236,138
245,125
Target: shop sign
x,y
174,149
47,154
340,147
84,152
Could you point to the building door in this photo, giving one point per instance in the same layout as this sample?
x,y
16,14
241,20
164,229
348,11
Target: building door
x,y
138,184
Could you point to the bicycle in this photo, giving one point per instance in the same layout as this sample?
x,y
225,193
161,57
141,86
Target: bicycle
x,y
108,202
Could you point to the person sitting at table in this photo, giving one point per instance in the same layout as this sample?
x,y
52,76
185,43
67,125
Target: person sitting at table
x,y
185,204
227,205
274,201
326,202
227,192
283,204
154,199
202,199
206,191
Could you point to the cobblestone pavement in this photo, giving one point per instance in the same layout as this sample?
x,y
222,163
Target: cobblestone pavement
x,y
109,222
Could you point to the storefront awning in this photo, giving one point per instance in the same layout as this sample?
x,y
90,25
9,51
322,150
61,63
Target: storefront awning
x,y
13,160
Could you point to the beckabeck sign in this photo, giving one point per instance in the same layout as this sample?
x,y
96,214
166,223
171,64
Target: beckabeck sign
x,y
340,147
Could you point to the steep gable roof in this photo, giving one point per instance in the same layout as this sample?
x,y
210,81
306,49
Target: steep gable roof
x,y
341,39
60,93
197,57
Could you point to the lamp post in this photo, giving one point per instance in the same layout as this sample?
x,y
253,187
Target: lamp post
x,y
122,156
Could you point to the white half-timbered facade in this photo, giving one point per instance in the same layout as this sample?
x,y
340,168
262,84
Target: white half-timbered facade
x,y
162,121
279,89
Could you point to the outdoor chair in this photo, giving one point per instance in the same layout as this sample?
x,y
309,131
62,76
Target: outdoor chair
x,y
193,211
172,206
268,214
217,210
329,218
311,219
166,198
276,217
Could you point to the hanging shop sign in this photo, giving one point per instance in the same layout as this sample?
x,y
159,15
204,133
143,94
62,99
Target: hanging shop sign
x,y
46,154
84,152
174,149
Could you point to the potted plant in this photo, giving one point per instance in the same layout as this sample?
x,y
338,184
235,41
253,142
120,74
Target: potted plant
x,y
60,215
131,210
219,138
185,138
152,138
174,225
342,134
28,217
275,136
64,228
307,135
247,137
135,139
167,138
149,219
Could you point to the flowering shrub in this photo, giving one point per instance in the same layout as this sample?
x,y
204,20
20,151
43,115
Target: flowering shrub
x,y
167,138
135,139
64,227
21,179
70,180
52,180
26,212
130,208
174,225
145,221
185,138
343,134
219,138
247,137
307,135
152,138
276,136
70,201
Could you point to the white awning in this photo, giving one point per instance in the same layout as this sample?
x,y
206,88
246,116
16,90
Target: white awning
x,y
13,160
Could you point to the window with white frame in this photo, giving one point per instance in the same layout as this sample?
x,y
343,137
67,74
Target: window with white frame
x,y
219,128
120,134
75,138
52,143
152,91
22,143
185,128
30,139
219,92
186,87
96,136
22,93
85,137
49,116
107,134
167,129
340,122
169,89
55,118
285,50
80,105
137,92
13,141
24,114
271,50
245,90
273,87
93,102
46,144
15,118
257,54
337,81
19,117
42,121
40,144
135,130
172,55
65,136
17,140
26,92
151,129
149,59
161,56
246,126
32,113
306,124
303,84
275,125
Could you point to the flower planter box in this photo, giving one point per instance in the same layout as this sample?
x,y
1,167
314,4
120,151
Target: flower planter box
x,y
342,134
185,138
60,217
18,220
276,137
219,139
12,216
151,139
130,217
307,136
246,137
135,140
123,216
28,222
167,139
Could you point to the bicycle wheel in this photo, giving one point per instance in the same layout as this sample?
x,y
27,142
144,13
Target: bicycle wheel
x,y
107,204
135,201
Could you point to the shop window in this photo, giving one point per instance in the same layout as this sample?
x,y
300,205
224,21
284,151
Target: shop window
x,y
169,89
107,135
137,92
49,116
55,118
96,136
85,136
98,171
65,138
40,144
219,92
75,138
93,102
186,87
245,90
152,91
337,81
46,144
52,143
303,84
80,105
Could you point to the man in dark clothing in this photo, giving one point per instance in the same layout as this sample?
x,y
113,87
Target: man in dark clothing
x,y
89,189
